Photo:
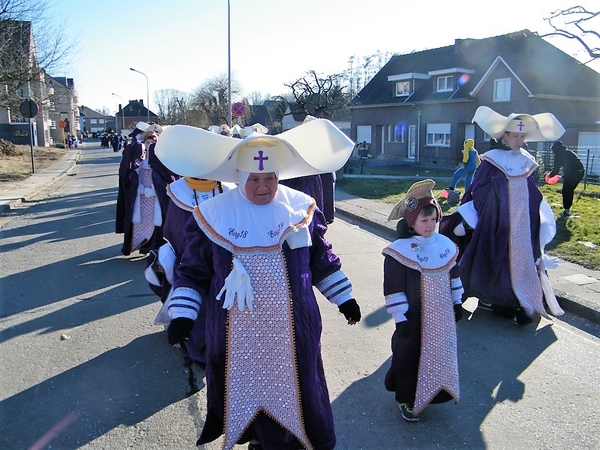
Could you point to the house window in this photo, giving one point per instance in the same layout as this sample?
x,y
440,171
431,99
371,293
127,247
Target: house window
x,y
445,83
396,133
403,88
93,121
363,133
502,90
438,134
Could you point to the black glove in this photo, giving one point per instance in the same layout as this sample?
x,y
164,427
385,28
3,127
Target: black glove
x,y
180,330
402,329
458,312
350,310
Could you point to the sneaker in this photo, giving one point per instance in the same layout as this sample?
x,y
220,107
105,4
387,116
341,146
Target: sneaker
x,y
407,413
567,212
521,318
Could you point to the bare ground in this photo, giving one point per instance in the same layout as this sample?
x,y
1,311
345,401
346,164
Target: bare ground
x,y
17,166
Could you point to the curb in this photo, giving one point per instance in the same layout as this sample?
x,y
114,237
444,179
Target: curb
x,y
68,161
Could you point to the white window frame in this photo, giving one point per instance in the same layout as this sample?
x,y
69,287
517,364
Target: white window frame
x,y
395,133
438,135
445,83
502,90
403,88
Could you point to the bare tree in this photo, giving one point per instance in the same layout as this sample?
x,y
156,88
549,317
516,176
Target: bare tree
x,y
320,97
576,23
173,106
361,70
23,59
212,99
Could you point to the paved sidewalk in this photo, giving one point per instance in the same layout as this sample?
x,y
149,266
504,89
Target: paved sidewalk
x,y
14,193
577,288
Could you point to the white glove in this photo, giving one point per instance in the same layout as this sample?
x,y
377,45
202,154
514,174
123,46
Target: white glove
x,y
237,284
549,262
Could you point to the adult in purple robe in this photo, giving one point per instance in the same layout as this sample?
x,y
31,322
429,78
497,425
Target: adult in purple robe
x,y
264,371
252,259
503,223
139,160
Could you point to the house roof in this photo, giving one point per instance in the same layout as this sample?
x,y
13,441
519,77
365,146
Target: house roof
x,y
90,113
541,68
258,114
136,108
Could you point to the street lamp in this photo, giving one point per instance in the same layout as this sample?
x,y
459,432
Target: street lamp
x,y
122,111
229,60
147,92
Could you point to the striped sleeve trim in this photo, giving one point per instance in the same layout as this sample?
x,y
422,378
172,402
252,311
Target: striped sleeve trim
x,y
457,290
397,305
336,288
185,302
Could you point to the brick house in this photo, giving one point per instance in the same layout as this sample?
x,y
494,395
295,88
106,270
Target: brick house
x,y
21,78
418,107
93,122
131,114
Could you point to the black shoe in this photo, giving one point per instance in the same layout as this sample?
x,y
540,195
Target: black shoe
x,y
521,318
407,413
481,304
252,446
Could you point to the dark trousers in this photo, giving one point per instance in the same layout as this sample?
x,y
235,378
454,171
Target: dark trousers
x,y
570,182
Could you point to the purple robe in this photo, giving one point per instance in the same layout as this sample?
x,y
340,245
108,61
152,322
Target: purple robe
x,y
485,253
310,185
128,190
204,267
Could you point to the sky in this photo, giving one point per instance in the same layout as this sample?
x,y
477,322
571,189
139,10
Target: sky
x,y
181,44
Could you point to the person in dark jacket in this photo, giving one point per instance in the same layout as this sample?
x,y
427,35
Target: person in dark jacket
x,y
573,173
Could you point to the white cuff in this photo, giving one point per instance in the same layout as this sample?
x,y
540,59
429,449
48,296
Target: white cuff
x,y
184,302
336,288
397,306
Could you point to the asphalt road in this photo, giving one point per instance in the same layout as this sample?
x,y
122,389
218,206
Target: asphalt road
x,y
83,365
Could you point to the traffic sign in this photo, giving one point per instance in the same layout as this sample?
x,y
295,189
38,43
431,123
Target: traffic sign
x,y
239,109
29,108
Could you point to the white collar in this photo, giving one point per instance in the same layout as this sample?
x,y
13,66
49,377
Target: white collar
x,y
514,163
237,225
436,253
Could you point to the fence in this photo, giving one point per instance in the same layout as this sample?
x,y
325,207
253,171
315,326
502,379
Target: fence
x,y
589,156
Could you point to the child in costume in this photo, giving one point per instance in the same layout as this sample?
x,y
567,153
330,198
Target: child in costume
x,y
423,294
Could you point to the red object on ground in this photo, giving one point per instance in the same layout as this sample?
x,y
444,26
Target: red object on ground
x,y
551,180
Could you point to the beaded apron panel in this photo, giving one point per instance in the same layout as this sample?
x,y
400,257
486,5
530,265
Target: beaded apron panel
x,y
523,273
142,232
261,372
438,364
